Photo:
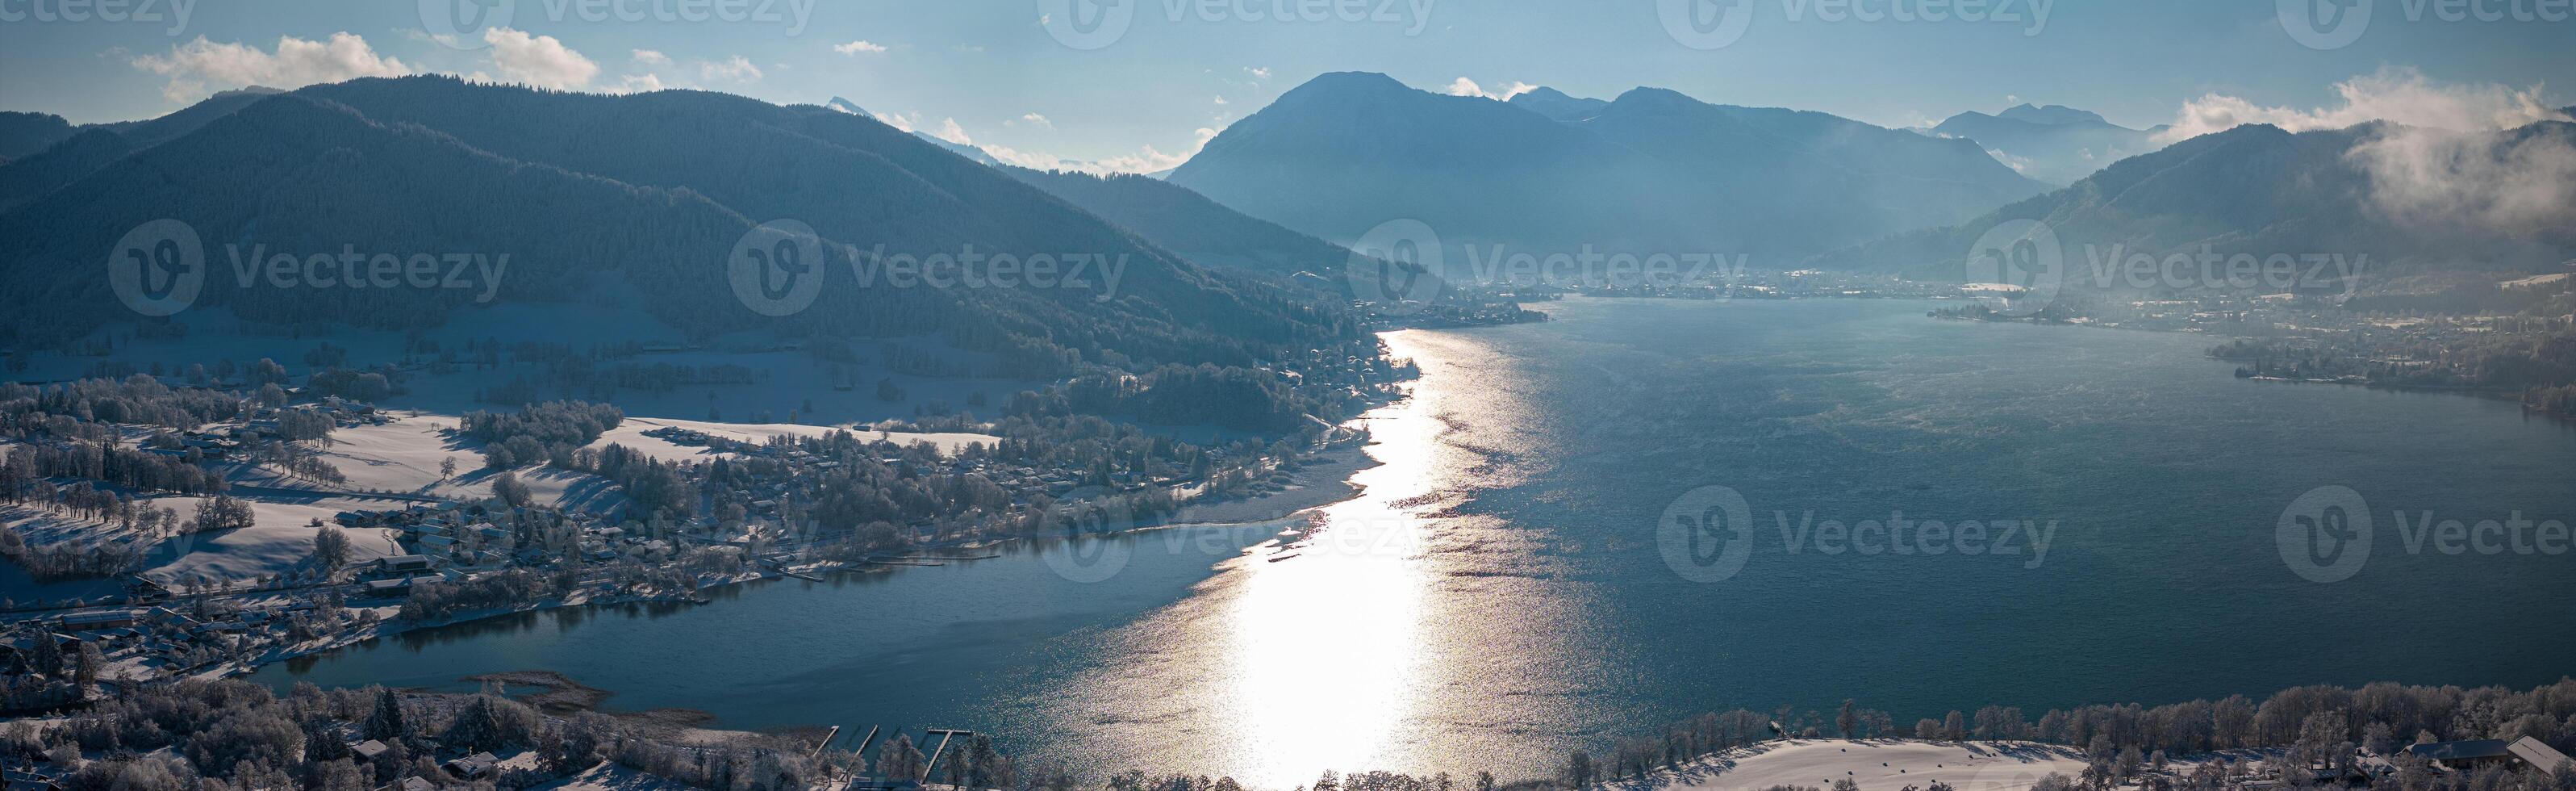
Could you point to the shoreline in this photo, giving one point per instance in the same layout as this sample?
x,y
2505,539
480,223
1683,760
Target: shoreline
x,y
1316,485
2489,393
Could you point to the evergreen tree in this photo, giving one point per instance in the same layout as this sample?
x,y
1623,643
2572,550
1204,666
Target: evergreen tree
x,y
385,724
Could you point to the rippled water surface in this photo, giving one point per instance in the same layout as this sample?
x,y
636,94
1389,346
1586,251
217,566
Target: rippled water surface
x,y
1500,592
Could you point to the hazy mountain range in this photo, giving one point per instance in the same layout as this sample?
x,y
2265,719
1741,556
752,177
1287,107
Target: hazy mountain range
x,y
1190,224
1652,171
1235,257
2055,144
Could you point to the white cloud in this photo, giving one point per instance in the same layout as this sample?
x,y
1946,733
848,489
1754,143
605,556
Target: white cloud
x,y
902,122
948,128
2470,180
2398,95
858,47
1220,101
951,132
538,61
1034,119
200,67
650,57
1145,160
1467,87
638,83
1258,72
736,68
2440,163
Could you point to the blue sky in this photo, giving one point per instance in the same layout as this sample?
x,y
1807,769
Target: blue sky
x,y
1180,70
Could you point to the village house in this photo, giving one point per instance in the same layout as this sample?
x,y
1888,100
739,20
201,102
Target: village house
x,y
396,587
402,565
101,619
474,767
2473,753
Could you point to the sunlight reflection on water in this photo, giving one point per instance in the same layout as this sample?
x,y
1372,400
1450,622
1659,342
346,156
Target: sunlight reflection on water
x,y
1327,625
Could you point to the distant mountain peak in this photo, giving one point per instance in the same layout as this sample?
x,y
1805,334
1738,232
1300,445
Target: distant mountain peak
x,y
1652,95
1348,84
844,105
2056,144
1362,79
1556,104
2052,114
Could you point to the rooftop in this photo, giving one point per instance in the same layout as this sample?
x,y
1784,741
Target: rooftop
x,y
2469,749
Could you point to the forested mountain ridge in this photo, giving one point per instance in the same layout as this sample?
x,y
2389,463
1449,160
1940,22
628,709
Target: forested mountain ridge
x,y
325,177
56,164
27,133
654,189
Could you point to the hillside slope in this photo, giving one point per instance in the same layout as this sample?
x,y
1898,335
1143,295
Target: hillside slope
x,y
653,190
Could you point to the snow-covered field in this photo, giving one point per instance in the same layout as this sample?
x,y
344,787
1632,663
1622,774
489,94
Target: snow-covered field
x,y
402,456
631,434
280,537
1877,765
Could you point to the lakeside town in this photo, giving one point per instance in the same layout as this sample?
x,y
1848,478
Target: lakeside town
x,y
574,504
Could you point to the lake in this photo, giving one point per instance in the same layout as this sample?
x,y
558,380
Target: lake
x,y
2119,520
